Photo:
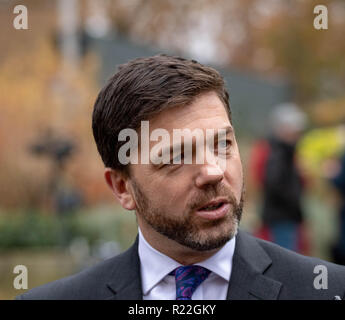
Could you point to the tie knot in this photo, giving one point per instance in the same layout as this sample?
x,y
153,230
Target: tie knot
x,y
188,278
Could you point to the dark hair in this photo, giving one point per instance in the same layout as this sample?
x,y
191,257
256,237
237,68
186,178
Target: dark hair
x,y
144,87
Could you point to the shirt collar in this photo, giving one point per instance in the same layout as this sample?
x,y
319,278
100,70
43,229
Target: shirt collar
x,y
154,265
221,262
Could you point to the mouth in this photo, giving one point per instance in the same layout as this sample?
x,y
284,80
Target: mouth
x,y
213,210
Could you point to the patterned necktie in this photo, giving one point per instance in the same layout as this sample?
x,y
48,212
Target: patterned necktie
x,y
188,278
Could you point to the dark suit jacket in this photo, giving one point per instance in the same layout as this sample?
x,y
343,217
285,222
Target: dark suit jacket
x,y
261,270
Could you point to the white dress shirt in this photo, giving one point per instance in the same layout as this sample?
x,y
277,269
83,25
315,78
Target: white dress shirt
x,y
157,284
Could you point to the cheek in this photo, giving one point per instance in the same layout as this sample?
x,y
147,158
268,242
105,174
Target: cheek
x,y
234,175
163,193
172,192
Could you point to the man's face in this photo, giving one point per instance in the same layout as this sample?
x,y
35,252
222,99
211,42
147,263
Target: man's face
x,y
171,198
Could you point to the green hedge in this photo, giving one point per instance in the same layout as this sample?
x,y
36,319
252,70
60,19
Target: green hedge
x,y
32,229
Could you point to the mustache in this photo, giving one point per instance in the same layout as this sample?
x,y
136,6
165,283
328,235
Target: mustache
x,y
212,192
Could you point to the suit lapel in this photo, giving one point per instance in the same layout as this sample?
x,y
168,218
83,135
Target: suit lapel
x,y
247,280
125,283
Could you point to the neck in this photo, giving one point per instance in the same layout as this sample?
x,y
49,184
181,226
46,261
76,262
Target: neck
x,y
172,249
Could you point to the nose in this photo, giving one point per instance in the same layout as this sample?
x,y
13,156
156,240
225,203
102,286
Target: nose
x,y
209,173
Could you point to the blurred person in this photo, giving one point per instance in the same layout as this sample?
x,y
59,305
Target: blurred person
x,y
318,146
281,180
338,181
189,245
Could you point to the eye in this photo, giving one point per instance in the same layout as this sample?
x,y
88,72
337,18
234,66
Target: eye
x,y
177,159
224,144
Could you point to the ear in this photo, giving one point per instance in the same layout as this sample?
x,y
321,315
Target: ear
x,y
118,183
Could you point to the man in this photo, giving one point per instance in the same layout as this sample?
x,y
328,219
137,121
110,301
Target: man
x,y
281,181
189,245
337,178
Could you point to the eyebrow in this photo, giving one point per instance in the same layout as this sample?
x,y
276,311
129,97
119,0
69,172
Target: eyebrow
x,y
180,146
228,129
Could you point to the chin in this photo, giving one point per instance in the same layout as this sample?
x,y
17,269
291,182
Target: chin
x,y
207,241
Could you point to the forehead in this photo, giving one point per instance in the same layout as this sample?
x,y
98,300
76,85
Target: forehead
x,y
206,111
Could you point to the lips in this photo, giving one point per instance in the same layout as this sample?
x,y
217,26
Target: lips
x,y
213,210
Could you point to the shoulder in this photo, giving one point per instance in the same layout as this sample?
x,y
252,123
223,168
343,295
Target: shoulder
x,y
91,283
303,276
291,259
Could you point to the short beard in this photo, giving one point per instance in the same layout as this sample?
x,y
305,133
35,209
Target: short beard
x,y
185,230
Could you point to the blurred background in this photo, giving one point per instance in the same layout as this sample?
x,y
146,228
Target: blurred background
x,y
286,82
